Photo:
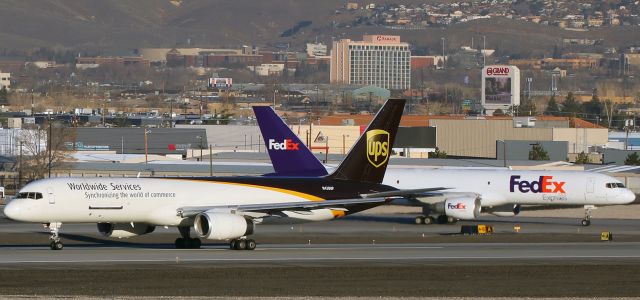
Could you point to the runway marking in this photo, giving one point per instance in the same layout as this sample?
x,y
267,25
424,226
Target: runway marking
x,y
182,260
311,248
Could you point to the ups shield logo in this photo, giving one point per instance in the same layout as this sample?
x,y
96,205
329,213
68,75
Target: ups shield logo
x,y
377,147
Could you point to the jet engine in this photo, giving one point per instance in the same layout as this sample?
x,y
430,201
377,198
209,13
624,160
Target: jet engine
x,y
464,208
124,230
222,226
508,210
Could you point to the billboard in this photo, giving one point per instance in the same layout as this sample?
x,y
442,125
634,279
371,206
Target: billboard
x,y
500,87
220,82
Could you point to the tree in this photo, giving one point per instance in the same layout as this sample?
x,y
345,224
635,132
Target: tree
x,y
552,107
594,106
439,154
42,151
4,95
571,105
632,159
527,108
537,152
582,158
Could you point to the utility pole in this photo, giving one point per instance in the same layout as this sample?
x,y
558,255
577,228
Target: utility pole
x,y
444,60
504,153
484,48
49,146
210,161
20,164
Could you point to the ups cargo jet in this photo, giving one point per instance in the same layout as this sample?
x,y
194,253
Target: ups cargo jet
x,y
468,191
218,208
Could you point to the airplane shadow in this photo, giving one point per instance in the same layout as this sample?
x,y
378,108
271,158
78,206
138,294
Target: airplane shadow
x,y
93,242
383,219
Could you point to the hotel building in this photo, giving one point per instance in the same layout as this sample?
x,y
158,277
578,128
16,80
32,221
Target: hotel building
x,y
379,60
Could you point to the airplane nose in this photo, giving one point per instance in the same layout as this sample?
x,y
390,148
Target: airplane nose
x,y
629,196
11,210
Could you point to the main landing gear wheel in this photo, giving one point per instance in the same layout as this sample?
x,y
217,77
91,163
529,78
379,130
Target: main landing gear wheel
x,y
451,220
585,222
242,244
186,242
422,220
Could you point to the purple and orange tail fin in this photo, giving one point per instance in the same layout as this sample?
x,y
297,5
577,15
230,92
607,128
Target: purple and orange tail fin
x,y
289,156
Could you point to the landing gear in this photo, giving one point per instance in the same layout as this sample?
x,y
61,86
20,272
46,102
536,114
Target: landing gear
x,y
54,228
444,219
242,244
587,215
186,242
425,218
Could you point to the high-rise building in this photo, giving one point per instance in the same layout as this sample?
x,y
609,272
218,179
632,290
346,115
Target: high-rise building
x,y
379,60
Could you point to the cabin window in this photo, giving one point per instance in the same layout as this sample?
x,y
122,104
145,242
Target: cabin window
x,y
29,195
614,185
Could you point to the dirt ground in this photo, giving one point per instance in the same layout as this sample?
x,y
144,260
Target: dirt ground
x,y
478,280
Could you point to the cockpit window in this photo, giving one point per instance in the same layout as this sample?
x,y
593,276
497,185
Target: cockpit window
x,y
614,185
29,195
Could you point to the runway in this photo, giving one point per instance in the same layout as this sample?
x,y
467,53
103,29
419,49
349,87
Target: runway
x,y
389,239
366,255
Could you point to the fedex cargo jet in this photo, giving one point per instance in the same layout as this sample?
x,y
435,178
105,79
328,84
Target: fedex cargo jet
x,y
218,208
468,191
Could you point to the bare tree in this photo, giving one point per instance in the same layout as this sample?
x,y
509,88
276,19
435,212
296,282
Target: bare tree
x,y
44,148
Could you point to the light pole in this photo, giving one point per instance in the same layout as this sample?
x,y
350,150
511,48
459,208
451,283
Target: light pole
x,y
146,148
444,60
274,99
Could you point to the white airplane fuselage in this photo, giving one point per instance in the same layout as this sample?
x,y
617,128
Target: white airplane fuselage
x,y
500,187
152,200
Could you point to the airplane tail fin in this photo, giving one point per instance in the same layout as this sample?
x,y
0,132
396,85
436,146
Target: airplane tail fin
x,y
288,154
368,158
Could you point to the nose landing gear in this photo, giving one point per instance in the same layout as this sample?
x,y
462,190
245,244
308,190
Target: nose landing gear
x,y
587,215
54,228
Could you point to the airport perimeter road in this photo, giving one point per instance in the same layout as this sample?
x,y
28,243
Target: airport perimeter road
x,y
358,256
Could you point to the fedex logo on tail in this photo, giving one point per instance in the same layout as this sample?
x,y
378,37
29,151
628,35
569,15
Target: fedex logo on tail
x,y
287,145
545,184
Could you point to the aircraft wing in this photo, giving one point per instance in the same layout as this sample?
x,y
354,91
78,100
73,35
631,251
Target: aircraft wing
x,y
406,193
190,211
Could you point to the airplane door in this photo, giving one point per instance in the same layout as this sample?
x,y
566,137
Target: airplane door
x,y
51,196
591,183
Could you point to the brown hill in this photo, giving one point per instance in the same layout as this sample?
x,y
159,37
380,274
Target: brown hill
x,y
121,25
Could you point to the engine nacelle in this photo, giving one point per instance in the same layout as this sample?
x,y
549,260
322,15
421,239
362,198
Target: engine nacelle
x,y
463,208
124,230
508,210
222,226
